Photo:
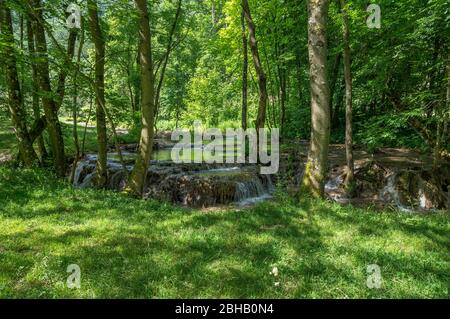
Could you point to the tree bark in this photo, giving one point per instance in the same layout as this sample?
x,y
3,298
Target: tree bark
x,y
166,60
75,110
40,124
316,167
137,83
261,117
244,72
349,179
442,122
99,42
139,174
48,99
35,88
283,96
18,115
333,82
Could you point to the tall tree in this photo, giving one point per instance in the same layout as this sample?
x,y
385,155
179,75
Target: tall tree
x,y
335,82
75,108
244,72
48,98
18,115
35,88
262,85
349,179
99,42
139,174
36,21
316,167
165,60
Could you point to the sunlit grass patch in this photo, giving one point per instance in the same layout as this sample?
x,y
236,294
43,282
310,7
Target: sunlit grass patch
x,y
147,249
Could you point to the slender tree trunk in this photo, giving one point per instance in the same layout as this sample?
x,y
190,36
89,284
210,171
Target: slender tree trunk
x,y
35,17
244,72
75,110
333,82
442,122
49,103
99,42
18,115
61,88
91,106
128,70
35,87
261,117
213,16
283,96
298,69
316,167
166,60
349,179
137,84
138,176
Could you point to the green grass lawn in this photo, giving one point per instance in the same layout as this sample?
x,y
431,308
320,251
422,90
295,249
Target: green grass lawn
x,y
144,249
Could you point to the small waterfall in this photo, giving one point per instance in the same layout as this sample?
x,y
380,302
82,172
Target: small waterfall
x,y
88,181
422,199
389,192
199,184
82,173
335,189
78,170
116,180
334,183
253,190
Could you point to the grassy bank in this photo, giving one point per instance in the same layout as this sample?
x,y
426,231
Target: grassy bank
x,y
130,248
8,139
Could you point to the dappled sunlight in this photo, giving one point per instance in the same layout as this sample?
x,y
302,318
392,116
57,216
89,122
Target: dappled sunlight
x,y
134,248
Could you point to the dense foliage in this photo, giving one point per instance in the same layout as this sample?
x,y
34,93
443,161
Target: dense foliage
x,y
399,70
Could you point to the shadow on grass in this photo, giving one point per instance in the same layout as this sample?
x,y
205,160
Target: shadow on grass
x,y
145,249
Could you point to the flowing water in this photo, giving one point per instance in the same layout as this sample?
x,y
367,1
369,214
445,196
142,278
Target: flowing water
x,y
390,192
189,184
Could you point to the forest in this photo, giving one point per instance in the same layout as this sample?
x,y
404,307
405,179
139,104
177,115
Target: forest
x,y
314,137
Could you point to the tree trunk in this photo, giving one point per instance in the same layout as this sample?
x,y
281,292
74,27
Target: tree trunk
x,y
137,83
244,73
166,60
261,117
75,110
18,115
349,179
99,42
333,82
298,69
35,87
316,167
48,101
283,96
61,88
139,174
128,69
35,17
442,122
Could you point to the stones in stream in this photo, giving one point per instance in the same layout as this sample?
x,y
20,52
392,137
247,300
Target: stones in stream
x,y
195,185
410,189
386,179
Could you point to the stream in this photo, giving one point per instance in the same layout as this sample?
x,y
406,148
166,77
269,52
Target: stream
x,y
188,184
